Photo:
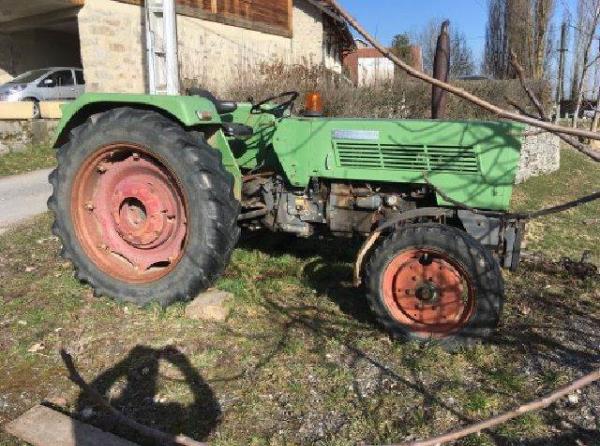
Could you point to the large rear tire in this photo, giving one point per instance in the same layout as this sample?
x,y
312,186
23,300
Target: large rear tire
x,y
145,212
433,282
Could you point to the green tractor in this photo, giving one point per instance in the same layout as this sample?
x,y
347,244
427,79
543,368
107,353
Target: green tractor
x,y
151,192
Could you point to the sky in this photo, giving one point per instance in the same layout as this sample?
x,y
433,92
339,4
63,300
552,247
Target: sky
x,y
386,18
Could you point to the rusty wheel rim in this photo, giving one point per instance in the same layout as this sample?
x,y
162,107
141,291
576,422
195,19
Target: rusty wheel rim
x,y
129,213
428,292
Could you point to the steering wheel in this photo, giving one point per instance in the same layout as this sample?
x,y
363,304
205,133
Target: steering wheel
x,y
289,96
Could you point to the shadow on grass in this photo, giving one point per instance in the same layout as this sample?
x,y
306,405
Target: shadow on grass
x,y
131,387
562,335
328,270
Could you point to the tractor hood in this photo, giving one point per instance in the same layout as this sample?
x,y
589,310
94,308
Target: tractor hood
x,y
473,162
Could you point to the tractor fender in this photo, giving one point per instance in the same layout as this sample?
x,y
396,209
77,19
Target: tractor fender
x,y
432,212
194,113
189,111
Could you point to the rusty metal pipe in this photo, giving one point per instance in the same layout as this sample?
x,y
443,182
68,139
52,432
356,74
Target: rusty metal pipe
x,y
441,69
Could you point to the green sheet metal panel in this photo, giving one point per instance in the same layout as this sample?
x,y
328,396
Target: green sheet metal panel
x,y
250,152
472,162
184,108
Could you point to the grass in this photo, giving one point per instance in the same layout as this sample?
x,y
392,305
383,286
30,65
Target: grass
x,y
571,232
32,158
300,360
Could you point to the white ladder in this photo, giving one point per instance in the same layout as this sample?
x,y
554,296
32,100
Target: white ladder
x,y
161,46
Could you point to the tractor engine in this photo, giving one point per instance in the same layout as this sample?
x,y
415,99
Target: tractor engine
x,y
342,208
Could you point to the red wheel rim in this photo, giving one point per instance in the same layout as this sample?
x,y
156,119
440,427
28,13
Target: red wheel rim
x,y
129,213
428,292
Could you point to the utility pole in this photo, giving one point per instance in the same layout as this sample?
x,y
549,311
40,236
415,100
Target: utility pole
x,y
161,47
560,86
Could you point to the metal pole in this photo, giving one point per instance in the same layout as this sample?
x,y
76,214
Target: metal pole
x,y
172,61
150,44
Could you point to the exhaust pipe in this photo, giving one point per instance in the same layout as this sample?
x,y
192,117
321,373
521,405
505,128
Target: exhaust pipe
x,y
441,69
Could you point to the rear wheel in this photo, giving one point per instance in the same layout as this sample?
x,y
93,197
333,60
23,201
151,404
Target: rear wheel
x,y
434,282
146,213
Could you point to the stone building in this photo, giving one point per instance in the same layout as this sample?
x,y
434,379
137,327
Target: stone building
x,y
219,40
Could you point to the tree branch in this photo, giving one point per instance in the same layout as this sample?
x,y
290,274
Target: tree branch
x,y
579,146
573,142
519,108
456,90
532,97
503,418
159,436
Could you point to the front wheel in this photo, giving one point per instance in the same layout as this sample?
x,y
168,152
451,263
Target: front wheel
x,y
145,212
434,282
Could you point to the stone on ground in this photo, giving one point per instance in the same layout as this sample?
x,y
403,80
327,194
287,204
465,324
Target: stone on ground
x,y
209,306
42,426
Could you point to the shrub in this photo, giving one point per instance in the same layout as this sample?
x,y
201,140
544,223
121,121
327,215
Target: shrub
x,y
404,97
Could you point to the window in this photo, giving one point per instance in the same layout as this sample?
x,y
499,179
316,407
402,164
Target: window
x,y
79,77
61,78
30,76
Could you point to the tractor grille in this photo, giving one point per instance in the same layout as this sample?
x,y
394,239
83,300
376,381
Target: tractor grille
x,y
407,157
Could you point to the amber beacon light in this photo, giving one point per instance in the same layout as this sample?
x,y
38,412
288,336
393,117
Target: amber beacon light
x,y
314,104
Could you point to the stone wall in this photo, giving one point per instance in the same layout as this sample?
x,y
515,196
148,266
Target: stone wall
x,y
540,154
17,135
112,54
211,54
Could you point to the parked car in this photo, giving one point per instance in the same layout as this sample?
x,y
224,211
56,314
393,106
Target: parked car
x,y
46,84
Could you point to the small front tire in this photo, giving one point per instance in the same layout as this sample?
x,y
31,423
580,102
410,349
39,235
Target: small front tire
x,y
430,282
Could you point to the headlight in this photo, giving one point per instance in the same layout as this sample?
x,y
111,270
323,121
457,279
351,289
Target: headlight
x,y
17,88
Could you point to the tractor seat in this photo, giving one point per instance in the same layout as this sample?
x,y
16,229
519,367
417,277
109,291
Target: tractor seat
x,y
222,107
239,131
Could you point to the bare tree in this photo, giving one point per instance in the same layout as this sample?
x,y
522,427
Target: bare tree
x,y
495,57
524,27
588,18
594,126
578,51
461,56
519,33
544,10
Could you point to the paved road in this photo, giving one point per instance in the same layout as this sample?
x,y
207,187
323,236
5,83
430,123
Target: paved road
x,y
23,196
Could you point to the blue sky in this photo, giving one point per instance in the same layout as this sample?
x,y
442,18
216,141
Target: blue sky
x,y
386,18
